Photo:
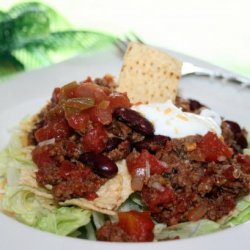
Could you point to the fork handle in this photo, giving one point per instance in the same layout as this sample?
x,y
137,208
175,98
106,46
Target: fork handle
x,y
224,76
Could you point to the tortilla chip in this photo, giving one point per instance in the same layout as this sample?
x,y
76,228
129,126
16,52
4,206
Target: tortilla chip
x,y
149,75
28,179
111,195
2,186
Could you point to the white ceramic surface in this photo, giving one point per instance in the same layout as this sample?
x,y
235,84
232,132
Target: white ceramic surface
x,y
26,93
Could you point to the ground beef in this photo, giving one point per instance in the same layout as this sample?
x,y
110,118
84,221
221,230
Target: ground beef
x,y
180,149
75,186
107,81
58,167
120,152
112,232
62,133
121,130
192,188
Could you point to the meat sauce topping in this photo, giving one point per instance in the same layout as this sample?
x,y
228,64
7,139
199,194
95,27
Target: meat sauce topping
x,y
75,138
88,126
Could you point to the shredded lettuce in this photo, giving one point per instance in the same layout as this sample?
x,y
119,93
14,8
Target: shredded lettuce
x,y
240,214
13,158
185,230
39,211
64,220
90,230
98,219
23,203
132,203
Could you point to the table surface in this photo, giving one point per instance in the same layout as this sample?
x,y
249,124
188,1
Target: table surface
x,y
215,31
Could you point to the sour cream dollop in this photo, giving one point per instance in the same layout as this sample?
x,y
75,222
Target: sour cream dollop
x,y
171,121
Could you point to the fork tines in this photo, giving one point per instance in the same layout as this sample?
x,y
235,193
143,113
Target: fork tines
x,y
122,42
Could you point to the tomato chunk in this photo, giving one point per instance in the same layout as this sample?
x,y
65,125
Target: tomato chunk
x,y
68,170
41,156
101,115
160,198
95,139
244,160
54,129
56,95
138,225
142,166
69,91
119,100
146,159
91,90
79,121
55,113
213,148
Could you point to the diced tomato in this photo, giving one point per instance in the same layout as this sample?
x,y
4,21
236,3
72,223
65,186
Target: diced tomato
x,y
155,166
54,129
95,139
55,113
119,100
138,225
103,116
68,170
139,165
69,91
91,196
79,121
212,148
161,198
244,160
56,95
92,90
229,173
41,156
229,203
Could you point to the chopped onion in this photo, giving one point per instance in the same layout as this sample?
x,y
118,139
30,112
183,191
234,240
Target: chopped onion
x,y
47,142
138,179
147,170
158,186
236,173
222,158
48,186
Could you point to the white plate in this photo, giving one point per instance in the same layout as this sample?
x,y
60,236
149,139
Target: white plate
x,y
26,93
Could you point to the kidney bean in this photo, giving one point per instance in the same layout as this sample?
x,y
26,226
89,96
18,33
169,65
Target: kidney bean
x,y
112,143
100,164
241,140
40,124
152,144
194,105
134,120
234,127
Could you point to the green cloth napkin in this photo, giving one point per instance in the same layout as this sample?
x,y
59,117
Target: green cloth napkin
x,y
33,35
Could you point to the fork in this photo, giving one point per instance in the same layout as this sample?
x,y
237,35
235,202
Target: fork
x,y
188,68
